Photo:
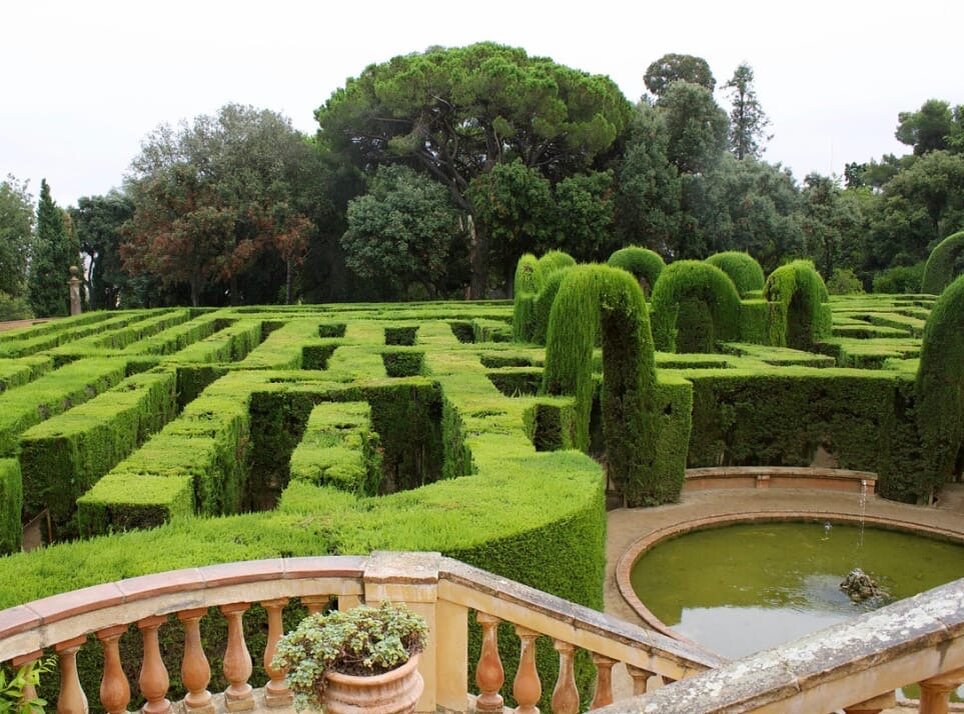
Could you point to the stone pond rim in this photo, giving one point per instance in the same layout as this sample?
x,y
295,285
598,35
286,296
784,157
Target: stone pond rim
x,y
636,550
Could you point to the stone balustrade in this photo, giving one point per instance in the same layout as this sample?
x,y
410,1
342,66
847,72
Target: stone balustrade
x,y
921,639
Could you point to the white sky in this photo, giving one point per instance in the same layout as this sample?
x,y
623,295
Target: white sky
x,y
85,81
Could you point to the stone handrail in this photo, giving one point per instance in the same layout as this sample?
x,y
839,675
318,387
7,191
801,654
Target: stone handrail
x,y
856,666
440,589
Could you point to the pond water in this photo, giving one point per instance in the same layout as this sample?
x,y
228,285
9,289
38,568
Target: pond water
x,y
743,588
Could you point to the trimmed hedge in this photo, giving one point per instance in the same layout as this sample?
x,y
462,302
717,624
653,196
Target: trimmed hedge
x,y
940,390
944,263
54,393
64,456
339,449
11,503
695,305
16,372
231,344
643,263
744,271
543,306
599,301
802,316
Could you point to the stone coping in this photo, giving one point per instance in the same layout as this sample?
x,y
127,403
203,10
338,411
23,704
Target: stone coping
x,y
717,477
626,561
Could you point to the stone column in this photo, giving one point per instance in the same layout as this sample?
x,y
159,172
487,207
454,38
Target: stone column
x,y
74,284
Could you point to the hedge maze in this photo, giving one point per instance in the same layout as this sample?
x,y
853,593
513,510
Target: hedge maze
x,y
164,439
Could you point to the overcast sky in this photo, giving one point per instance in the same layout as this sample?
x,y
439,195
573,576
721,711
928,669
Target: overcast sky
x,y
85,81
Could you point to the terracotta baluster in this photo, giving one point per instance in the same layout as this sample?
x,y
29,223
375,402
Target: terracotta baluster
x,y
934,692
315,603
873,706
29,692
489,675
153,680
276,692
71,699
565,696
640,678
237,661
195,668
115,690
604,681
526,687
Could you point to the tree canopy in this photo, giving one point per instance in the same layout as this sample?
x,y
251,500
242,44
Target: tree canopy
x,y
674,67
16,232
748,121
457,113
54,251
213,196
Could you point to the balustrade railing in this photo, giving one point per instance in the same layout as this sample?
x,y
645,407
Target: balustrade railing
x,y
922,641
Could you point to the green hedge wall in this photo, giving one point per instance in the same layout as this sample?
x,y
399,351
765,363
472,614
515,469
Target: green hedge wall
x,y
340,449
17,372
744,271
940,390
801,317
54,393
695,305
64,456
11,502
944,263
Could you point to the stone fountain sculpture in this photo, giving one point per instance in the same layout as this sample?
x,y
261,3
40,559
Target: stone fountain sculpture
x,y
859,586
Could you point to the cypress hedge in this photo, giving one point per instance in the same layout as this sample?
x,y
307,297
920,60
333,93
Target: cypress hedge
x,y
802,315
64,456
695,305
11,503
593,302
940,390
944,263
643,263
744,271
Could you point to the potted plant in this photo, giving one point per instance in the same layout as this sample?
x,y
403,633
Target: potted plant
x,y
363,659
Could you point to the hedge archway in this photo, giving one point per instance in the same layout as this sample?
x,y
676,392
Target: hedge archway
x,y
643,263
802,316
940,390
944,263
695,305
744,271
599,301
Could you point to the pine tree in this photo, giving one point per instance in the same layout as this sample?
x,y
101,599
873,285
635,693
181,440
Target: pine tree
x,y
748,121
50,261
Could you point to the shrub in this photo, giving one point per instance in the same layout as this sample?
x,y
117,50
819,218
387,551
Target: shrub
x,y
525,287
543,306
844,282
802,316
554,260
944,263
13,308
899,279
644,264
940,388
694,306
744,271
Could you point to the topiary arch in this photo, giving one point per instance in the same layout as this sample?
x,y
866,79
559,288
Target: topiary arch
x,y
802,315
744,271
528,281
599,301
944,263
694,305
643,263
940,390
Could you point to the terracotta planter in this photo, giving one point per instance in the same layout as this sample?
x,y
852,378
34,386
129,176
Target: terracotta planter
x,y
394,692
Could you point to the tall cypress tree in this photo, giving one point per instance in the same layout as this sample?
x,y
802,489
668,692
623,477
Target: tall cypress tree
x,y
748,121
50,262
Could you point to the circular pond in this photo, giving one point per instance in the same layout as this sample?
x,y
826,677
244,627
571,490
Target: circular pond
x,y
743,588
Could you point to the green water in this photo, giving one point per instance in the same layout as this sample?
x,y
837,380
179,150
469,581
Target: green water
x,y
744,588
